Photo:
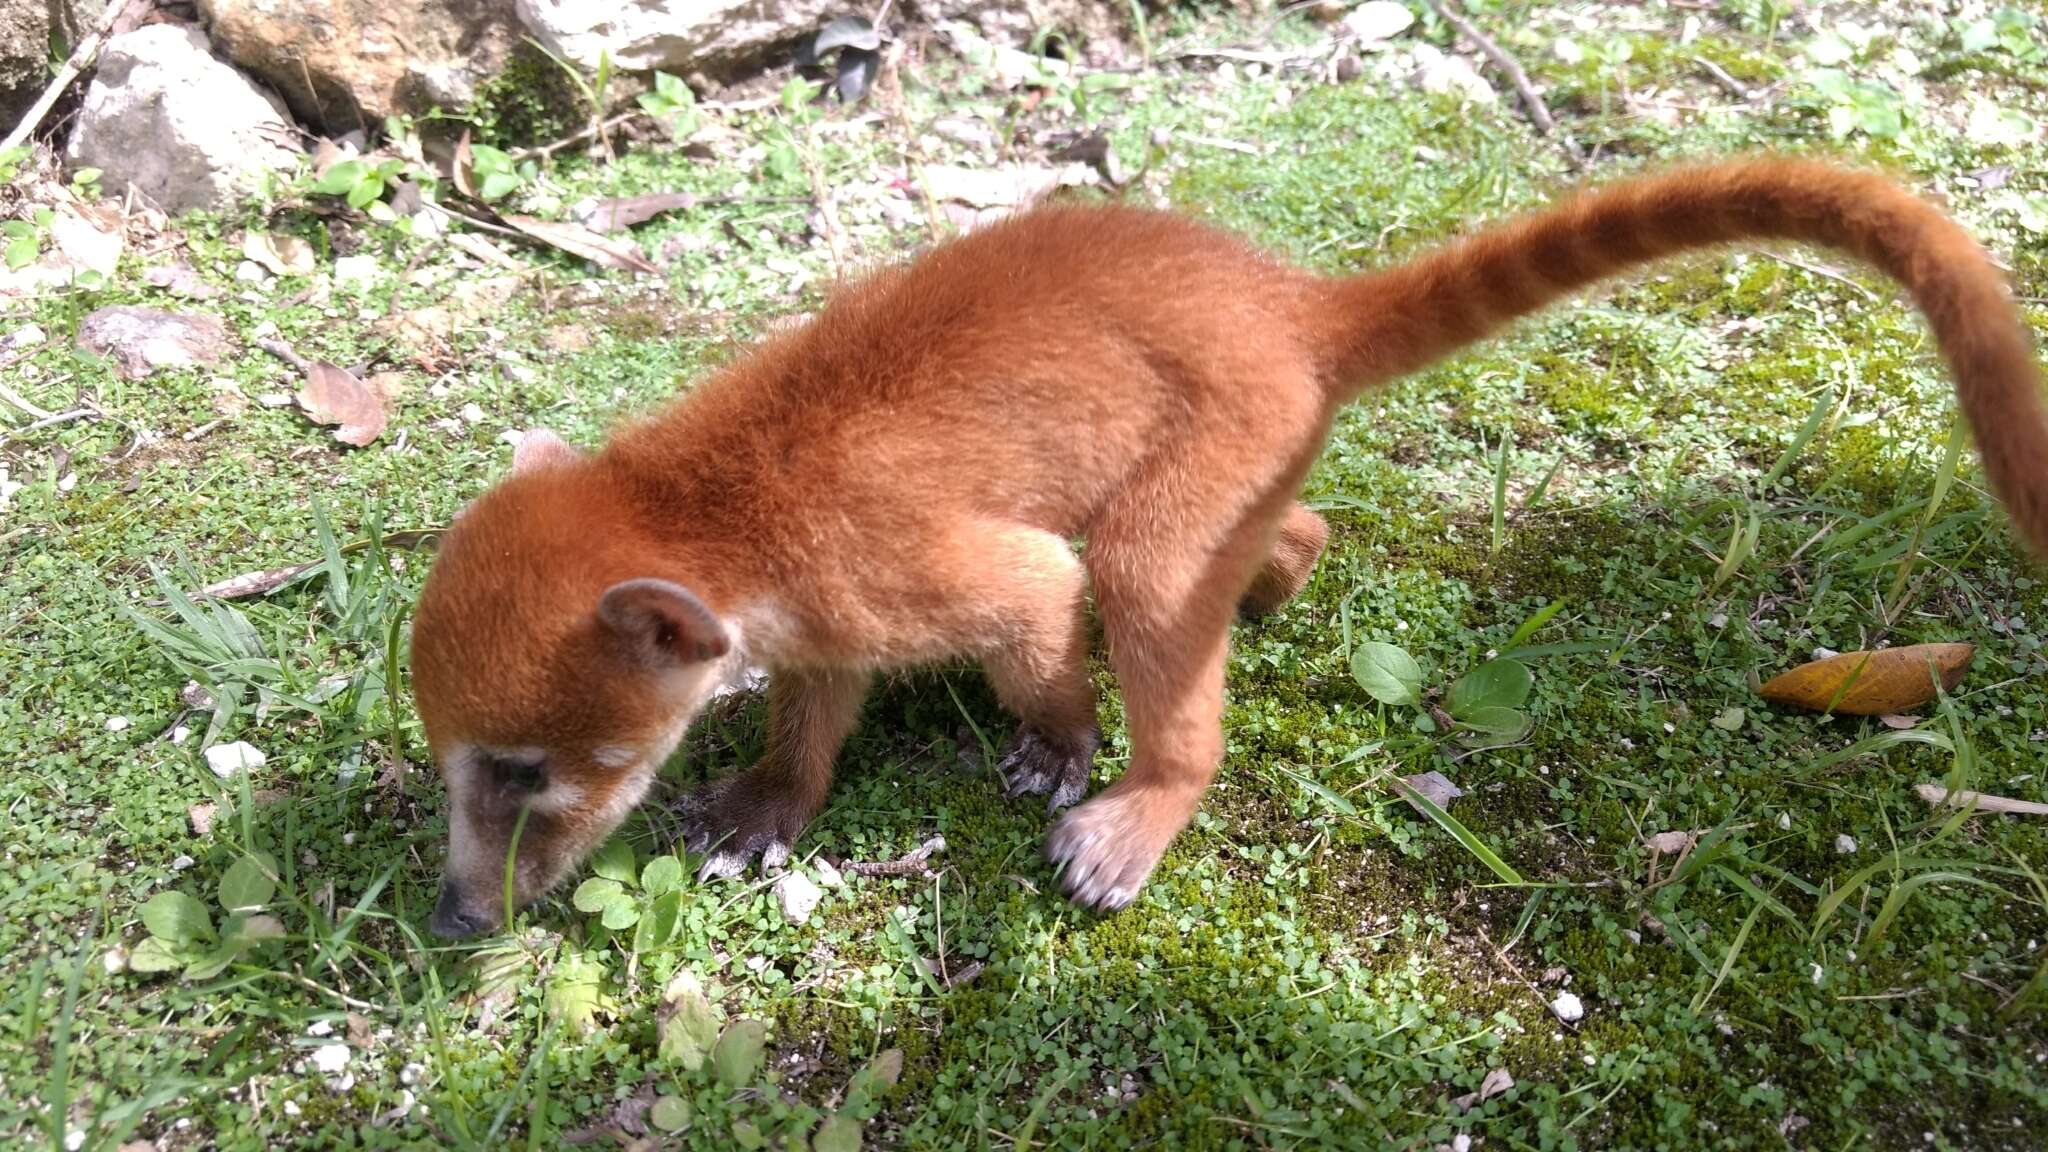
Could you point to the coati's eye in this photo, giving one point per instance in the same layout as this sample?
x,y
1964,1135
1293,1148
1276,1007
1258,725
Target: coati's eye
x,y
523,773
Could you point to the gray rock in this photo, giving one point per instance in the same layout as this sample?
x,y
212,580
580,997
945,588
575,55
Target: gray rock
x,y
142,340
346,64
25,39
186,130
719,36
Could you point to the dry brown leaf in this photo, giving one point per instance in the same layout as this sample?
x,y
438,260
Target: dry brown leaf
x,y
1497,1081
252,583
618,213
481,248
1936,794
1433,786
459,164
1888,680
333,395
280,255
1666,843
327,153
579,241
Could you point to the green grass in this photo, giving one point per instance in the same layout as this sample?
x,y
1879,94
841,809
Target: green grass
x,y
1317,963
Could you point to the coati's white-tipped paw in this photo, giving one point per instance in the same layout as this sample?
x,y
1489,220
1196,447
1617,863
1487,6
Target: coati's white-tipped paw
x,y
1037,765
1106,848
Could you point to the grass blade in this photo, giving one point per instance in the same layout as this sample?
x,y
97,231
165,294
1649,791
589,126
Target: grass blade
x,y
1463,835
1793,450
1943,478
1728,961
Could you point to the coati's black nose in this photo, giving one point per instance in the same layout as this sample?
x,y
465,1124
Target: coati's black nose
x,y
450,921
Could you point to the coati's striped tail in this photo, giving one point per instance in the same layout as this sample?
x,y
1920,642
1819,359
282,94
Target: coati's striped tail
x,y
1381,325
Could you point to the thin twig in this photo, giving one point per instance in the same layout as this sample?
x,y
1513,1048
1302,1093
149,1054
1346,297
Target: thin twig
x,y
283,351
80,59
22,402
51,422
1532,100
1823,273
828,212
594,128
909,864
899,108
1736,88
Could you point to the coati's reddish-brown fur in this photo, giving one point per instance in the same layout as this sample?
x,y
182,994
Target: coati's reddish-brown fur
x,y
896,482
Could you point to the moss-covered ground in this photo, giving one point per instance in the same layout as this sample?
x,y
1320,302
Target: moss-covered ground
x,y
1315,964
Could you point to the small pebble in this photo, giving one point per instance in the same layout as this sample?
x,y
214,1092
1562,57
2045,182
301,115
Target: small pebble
x,y
181,863
797,896
1845,844
410,1074
1568,1008
828,875
331,1057
117,723
321,1028
274,400
473,413
240,756
180,734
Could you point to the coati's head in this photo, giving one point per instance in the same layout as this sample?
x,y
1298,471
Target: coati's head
x,y
554,673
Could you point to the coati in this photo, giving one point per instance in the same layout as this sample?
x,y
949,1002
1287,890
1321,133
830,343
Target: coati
x,y
897,481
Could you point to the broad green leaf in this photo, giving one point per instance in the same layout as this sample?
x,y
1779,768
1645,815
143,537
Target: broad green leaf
x,y
215,962
155,954
575,989
21,251
595,894
614,861
691,1027
658,925
341,178
177,918
248,884
737,1055
670,1114
839,1133
1494,684
621,911
497,185
1507,723
748,1135
370,187
662,874
1388,674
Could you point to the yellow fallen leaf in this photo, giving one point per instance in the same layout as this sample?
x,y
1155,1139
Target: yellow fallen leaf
x,y
1871,683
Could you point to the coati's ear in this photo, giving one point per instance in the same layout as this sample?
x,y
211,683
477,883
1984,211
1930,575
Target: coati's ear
x,y
540,448
663,622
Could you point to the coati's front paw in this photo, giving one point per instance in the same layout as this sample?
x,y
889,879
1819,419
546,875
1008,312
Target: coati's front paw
x,y
1106,848
1036,764
735,820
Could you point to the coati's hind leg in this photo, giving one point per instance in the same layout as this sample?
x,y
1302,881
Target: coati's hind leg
x,y
1289,565
1165,589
